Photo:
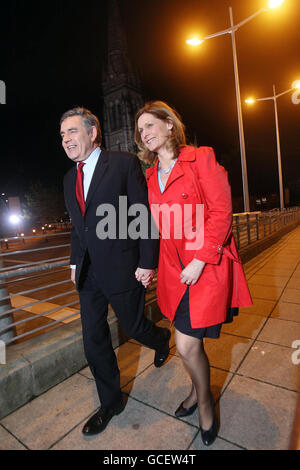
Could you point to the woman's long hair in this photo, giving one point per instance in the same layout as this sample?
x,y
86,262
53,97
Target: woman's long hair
x,y
162,111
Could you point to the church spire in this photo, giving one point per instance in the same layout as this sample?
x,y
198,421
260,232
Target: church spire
x,y
118,69
121,86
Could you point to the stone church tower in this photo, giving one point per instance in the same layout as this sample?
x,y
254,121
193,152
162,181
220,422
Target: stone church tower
x,y
121,87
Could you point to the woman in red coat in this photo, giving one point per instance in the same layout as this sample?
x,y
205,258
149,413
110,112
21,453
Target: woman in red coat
x,y
200,279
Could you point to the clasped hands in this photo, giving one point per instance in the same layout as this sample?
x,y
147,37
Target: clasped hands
x,y
189,275
144,276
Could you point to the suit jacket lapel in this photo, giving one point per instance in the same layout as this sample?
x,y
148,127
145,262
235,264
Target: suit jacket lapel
x,y
72,187
99,172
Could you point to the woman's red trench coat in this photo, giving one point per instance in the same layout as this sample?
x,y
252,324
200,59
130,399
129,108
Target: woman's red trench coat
x,y
198,226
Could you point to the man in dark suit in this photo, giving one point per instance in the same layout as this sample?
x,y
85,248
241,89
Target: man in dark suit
x,y
113,270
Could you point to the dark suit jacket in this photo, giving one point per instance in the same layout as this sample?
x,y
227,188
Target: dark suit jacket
x,y
114,260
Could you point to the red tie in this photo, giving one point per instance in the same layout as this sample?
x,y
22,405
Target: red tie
x,y
79,188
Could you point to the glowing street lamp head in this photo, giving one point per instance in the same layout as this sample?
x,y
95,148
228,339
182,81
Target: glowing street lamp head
x,y
194,41
14,219
250,100
275,3
296,84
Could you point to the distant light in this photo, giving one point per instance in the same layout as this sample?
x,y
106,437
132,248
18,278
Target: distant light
x,y
194,42
250,100
50,226
22,234
275,3
14,219
296,84
33,230
43,228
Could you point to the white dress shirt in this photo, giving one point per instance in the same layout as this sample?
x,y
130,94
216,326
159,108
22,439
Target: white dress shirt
x,y
88,171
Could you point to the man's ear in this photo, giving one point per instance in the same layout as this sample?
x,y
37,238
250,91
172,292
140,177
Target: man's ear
x,y
93,133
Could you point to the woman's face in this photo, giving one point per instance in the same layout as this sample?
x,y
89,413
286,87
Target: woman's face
x,y
154,132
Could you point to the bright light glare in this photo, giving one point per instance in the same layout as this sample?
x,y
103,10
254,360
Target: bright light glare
x,y
275,3
194,41
14,219
250,100
296,84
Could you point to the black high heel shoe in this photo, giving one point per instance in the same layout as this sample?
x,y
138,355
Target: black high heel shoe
x,y
208,436
181,411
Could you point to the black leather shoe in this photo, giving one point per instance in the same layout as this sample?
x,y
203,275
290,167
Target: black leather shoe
x,y
98,422
162,354
182,411
210,435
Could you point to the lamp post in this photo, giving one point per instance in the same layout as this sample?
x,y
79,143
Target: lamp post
x,y
296,85
233,28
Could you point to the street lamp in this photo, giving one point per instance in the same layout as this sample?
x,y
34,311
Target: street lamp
x,y
295,85
14,219
233,28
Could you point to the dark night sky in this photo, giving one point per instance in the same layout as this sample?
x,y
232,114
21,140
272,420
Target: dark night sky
x,y
51,59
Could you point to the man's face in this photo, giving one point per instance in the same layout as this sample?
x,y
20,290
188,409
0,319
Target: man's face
x,y
76,141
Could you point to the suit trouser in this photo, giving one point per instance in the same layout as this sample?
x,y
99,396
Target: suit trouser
x,y
129,309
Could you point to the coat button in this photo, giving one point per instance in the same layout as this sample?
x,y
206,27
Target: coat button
x,y
184,195
86,229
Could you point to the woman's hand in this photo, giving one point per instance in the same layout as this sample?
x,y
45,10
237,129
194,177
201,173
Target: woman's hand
x,y
192,272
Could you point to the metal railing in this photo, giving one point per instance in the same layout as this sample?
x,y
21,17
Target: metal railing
x,y
34,265
52,274
250,227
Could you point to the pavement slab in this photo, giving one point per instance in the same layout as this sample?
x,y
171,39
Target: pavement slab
x,y
47,418
139,427
245,325
281,332
273,364
256,415
166,388
8,441
287,311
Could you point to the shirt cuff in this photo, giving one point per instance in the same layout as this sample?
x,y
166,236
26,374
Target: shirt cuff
x,y
73,266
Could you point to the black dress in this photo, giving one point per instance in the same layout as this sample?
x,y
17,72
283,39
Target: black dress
x,y
182,321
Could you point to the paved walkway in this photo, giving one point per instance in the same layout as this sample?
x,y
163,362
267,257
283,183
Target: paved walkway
x,y
253,375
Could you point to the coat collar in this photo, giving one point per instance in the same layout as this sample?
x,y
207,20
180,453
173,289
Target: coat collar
x,y
186,154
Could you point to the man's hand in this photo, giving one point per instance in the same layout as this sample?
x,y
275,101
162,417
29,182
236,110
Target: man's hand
x,y
192,272
144,276
73,275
